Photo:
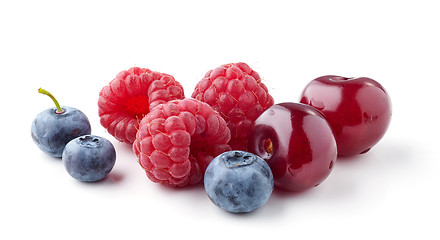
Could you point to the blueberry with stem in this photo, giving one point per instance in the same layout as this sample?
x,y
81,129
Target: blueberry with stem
x,y
53,128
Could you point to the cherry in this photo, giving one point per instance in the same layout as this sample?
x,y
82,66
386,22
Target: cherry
x,y
297,143
357,109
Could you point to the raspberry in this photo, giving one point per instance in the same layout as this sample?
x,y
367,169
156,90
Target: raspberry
x,y
237,93
130,96
177,140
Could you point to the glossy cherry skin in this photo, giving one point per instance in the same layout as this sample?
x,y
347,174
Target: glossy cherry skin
x,y
297,143
357,109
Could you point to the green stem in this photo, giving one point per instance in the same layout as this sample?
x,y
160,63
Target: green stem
x,y
59,109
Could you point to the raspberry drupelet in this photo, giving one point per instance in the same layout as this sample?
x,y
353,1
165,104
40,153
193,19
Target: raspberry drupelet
x,y
237,93
177,140
130,96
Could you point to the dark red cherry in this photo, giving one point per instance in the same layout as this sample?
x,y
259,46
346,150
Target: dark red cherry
x,y
297,143
357,109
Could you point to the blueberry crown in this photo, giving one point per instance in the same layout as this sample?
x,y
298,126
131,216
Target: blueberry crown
x,y
89,141
235,159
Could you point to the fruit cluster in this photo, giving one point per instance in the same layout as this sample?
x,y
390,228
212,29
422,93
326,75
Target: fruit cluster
x,y
232,136
65,132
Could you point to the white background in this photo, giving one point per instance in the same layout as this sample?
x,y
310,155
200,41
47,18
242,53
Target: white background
x,y
74,49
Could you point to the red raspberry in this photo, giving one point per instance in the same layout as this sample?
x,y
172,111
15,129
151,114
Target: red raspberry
x,y
237,93
130,96
177,140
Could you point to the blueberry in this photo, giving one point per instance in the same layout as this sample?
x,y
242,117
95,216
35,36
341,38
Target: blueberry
x,y
53,128
238,181
51,131
89,158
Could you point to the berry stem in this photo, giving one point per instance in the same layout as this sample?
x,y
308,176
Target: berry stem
x,y
59,109
268,145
